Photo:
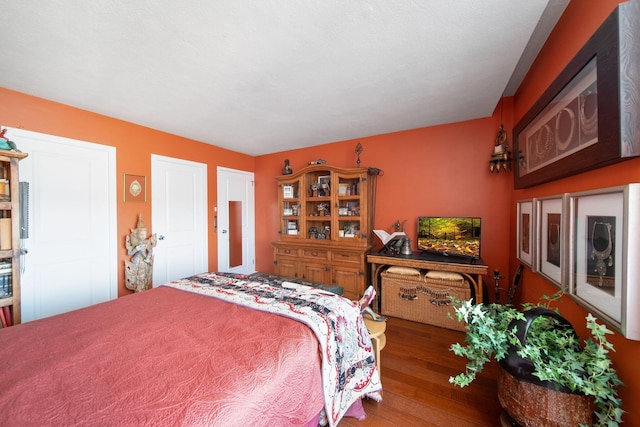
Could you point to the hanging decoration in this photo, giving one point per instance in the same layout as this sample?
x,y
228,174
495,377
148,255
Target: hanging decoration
x,y
358,152
501,157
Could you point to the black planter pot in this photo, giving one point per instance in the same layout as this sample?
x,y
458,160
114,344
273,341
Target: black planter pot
x,y
521,368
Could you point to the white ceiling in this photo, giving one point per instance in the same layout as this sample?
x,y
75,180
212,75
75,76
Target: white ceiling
x,y
265,76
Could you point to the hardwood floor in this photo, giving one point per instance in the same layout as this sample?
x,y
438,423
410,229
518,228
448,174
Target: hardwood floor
x,y
416,365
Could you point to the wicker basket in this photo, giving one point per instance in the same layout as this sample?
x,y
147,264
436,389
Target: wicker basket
x,y
422,299
532,405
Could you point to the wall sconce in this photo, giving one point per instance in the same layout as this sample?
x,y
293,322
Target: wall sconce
x,y
501,157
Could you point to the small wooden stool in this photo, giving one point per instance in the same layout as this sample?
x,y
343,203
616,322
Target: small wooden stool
x,y
376,332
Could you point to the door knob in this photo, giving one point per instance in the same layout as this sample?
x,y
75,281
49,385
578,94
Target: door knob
x,y
161,237
224,231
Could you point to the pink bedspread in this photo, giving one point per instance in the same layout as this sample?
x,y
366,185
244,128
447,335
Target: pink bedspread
x,y
349,370
162,357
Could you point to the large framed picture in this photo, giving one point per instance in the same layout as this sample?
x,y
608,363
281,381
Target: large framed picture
x,y
567,125
551,241
590,115
605,254
525,232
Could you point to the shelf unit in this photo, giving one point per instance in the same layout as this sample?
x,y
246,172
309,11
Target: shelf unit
x,y
325,216
10,213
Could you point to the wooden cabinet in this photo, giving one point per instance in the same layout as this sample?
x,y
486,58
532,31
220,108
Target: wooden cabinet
x,y
326,216
10,234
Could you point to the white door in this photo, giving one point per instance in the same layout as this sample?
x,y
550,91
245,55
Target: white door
x,y
179,206
236,225
71,259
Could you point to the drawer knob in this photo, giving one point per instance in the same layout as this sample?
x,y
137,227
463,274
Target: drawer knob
x,y
287,251
314,253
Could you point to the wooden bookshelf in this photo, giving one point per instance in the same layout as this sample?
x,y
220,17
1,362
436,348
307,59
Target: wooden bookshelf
x,y
10,224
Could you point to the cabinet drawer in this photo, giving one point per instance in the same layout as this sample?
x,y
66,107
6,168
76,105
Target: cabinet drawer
x,y
348,257
286,251
315,254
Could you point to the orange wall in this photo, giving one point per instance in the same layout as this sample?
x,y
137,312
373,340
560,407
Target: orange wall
x,y
578,23
440,170
134,146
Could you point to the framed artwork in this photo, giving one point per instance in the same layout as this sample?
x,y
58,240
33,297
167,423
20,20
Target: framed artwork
x,y
135,188
605,234
287,191
324,185
567,125
551,247
525,233
324,180
590,115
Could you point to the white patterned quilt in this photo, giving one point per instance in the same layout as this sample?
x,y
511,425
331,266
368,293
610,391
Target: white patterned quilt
x,y
349,370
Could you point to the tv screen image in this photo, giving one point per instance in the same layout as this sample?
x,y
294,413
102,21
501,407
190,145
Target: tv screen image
x,y
450,235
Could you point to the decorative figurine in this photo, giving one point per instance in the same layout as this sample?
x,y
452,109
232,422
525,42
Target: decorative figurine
x,y
358,151
497,277
323,209
365,302
317,162
6,143
313,190
139,271
286,170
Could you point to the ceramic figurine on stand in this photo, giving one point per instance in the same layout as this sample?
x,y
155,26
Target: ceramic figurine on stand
x,y
286,170
139,271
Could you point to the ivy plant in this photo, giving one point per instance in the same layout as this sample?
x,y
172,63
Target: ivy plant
x,y
555,352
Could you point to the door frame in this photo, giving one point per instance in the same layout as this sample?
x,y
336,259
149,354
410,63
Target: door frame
x,y
250,262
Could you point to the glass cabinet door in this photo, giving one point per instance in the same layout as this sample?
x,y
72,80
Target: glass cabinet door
x,y
325,203
290,208
350,222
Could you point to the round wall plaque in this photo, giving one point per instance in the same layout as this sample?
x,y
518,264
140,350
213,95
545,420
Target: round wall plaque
x,y
135,188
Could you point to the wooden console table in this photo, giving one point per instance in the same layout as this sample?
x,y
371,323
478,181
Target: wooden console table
x,y
471,269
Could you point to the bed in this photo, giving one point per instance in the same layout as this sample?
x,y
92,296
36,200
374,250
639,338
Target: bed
x,y
214,349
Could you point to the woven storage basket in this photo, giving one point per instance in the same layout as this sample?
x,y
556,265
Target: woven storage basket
x,y
422,299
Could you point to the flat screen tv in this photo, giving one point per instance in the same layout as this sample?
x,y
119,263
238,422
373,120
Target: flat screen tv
x,y
458,236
